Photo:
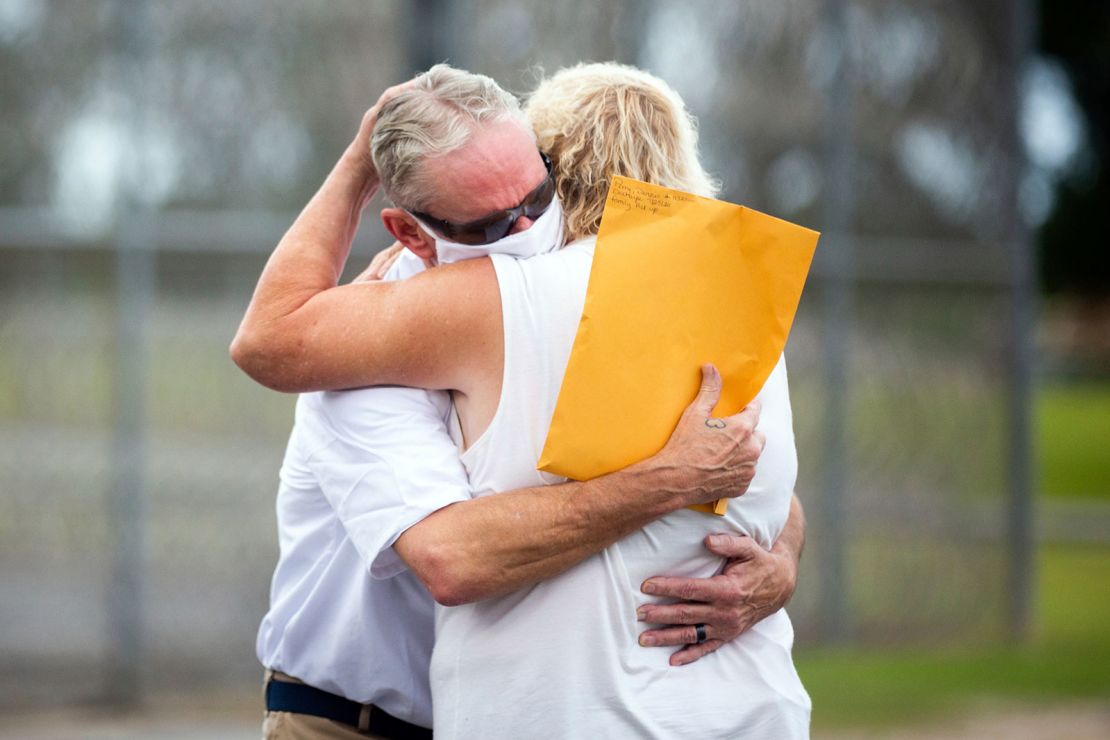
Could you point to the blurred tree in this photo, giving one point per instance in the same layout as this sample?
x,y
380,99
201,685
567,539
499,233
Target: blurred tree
x,y
246,103
1073,241
247,109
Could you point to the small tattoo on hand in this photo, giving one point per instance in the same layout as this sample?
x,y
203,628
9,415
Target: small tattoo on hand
x,y
715,423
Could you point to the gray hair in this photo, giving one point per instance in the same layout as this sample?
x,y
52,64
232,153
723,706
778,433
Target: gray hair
x,y
431,118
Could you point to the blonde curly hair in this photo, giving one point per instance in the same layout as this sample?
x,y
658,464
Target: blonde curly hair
x,y
604,119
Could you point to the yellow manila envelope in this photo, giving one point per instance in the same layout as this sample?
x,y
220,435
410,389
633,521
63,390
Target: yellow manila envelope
x,y
678,280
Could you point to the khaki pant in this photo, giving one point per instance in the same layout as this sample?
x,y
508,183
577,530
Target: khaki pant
x,y
292,726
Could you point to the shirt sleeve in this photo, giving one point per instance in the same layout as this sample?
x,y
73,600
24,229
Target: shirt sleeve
x,y
384,461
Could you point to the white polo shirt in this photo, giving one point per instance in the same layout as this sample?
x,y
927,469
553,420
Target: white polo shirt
x,y
361,467
349,488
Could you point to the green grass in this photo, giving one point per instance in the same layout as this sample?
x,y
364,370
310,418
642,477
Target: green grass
x,y
1073,439
1067,658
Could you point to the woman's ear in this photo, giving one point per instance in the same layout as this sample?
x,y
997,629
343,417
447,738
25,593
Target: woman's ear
x,y
405,229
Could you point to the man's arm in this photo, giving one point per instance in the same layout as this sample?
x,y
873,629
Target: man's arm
x,y
753,585
493,545
390,471
303,332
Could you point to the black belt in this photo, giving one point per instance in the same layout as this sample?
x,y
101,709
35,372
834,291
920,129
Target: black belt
x,y
282,696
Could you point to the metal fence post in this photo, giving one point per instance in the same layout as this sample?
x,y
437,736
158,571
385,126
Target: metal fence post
x,y
135,284
437,31
836,254
629,26
1021,542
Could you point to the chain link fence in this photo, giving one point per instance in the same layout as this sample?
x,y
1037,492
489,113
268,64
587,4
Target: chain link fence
x,y
138,467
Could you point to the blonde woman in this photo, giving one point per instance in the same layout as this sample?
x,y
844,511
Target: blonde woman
x,y
561,658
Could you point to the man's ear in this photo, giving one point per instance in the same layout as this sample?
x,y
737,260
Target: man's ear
x,y
406,230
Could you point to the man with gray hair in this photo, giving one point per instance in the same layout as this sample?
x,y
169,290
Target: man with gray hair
x,y
375,517
434,115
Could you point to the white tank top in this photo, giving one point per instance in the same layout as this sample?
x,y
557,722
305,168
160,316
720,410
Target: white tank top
x,y
560,659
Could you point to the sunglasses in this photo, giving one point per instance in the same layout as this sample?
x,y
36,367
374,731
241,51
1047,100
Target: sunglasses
x,y
498,224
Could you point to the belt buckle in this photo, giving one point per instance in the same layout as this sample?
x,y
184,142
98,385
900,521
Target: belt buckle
x,y
364,715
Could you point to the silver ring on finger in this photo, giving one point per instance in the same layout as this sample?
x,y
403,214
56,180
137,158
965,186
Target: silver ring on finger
x,y
699,631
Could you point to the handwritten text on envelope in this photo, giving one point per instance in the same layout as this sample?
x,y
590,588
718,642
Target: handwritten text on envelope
x,y
677,281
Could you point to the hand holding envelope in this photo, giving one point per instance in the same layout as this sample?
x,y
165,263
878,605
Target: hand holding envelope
x,y
678,280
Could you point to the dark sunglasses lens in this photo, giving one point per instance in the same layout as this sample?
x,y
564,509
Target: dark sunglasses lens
x,y
486,232
538,202
497,227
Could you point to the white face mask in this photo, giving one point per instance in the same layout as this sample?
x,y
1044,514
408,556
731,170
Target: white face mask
x,y
544,235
